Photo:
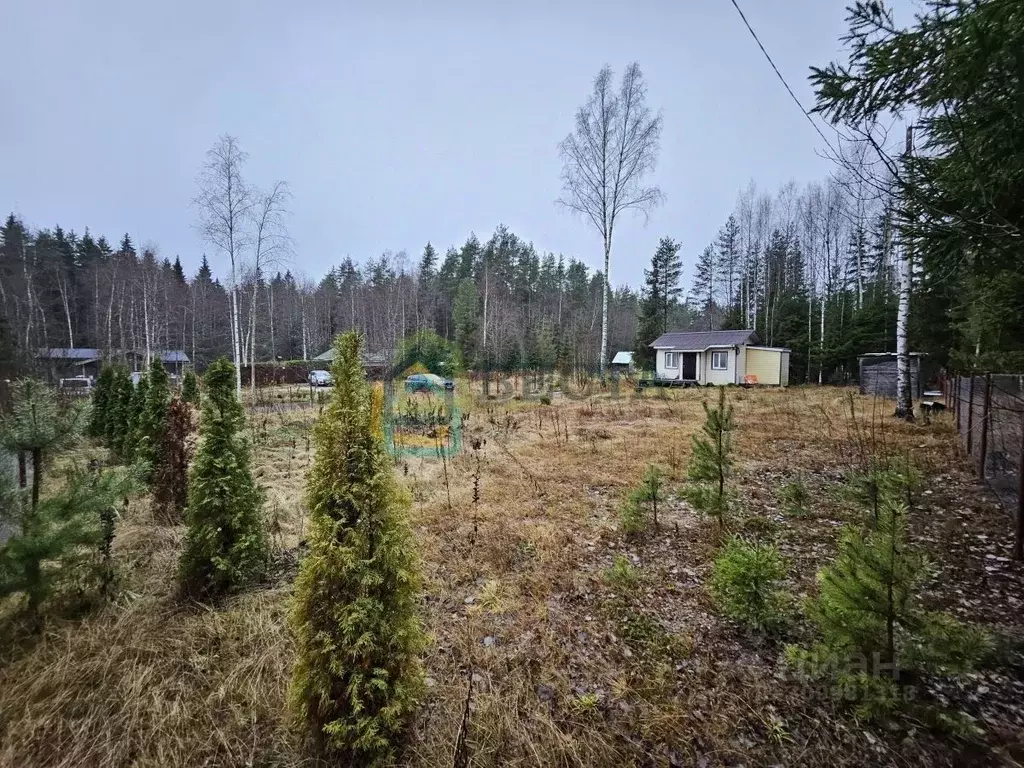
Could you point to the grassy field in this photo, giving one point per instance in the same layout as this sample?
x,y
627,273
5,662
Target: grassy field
x,y
561,665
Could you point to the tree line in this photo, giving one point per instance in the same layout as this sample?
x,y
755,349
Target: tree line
x,y
928,233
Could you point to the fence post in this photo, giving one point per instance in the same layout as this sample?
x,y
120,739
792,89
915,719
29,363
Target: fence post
x,y
970,416
1018,542
956,404
986,409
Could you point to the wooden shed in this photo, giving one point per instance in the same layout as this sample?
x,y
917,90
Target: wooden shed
x,y
878,374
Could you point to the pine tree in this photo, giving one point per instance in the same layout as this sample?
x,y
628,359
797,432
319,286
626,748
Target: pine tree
x,y
871,619
866,598
727,248
705,285
670,272
190,388
226,544
38,426
50,530
50,537
711,463
170,476
102,396
643,499
357,676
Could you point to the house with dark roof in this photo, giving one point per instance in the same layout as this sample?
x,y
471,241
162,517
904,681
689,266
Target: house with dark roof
x,y
377,364
67,362
719,357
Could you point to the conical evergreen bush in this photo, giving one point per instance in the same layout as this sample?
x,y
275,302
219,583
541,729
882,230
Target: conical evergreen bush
x,y
226,545
119,408
102,396
133,430
357,677
190,388
153,417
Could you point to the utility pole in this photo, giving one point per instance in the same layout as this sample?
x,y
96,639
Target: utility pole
x,y
904,397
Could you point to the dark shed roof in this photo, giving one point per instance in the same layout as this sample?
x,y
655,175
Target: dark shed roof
x,y
86,353
68,353
701,340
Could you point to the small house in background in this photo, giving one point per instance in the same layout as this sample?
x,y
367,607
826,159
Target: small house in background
x,y
377,364
72,362
69,362
622,362
718,357
878,374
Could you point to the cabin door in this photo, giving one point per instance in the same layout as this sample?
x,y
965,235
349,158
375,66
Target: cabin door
x,y
689,366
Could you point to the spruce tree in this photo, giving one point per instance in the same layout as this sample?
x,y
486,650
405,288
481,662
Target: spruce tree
x,y
357,676
102,396
711,463
226,545
660,292
466,316
190,388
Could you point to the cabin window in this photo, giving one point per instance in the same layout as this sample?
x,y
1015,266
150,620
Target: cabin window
x,y
671,359
719,361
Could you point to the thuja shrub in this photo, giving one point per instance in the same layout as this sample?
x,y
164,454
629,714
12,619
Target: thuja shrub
x,y
152,418
170,473
357,677
190,388
226,545
101,399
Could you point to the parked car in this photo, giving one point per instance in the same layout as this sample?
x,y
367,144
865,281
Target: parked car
x,y
320,379
424,382
77,386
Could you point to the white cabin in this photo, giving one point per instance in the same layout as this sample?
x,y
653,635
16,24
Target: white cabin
x,y
719,357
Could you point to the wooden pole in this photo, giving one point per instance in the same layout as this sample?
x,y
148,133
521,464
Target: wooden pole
x,y
956,403
986,409
1018,543
970,416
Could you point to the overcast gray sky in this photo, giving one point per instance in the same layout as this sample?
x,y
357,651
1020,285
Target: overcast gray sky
x,y
394,123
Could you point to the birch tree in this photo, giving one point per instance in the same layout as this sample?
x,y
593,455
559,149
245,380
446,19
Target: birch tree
x,y
224,204
270,245
605,161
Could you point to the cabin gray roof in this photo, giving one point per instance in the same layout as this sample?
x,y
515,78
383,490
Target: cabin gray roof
x,y
698,341
68,353
369,358
89,354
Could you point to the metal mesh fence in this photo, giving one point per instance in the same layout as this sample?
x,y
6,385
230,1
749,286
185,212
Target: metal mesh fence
x,y
989,413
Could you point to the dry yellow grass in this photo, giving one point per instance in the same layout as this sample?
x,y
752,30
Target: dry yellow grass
x,y
563,668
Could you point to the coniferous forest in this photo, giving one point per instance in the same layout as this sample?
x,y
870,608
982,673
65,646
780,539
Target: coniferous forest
x,y
812,269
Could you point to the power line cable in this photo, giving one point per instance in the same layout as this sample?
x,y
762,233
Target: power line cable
x,y
781,78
